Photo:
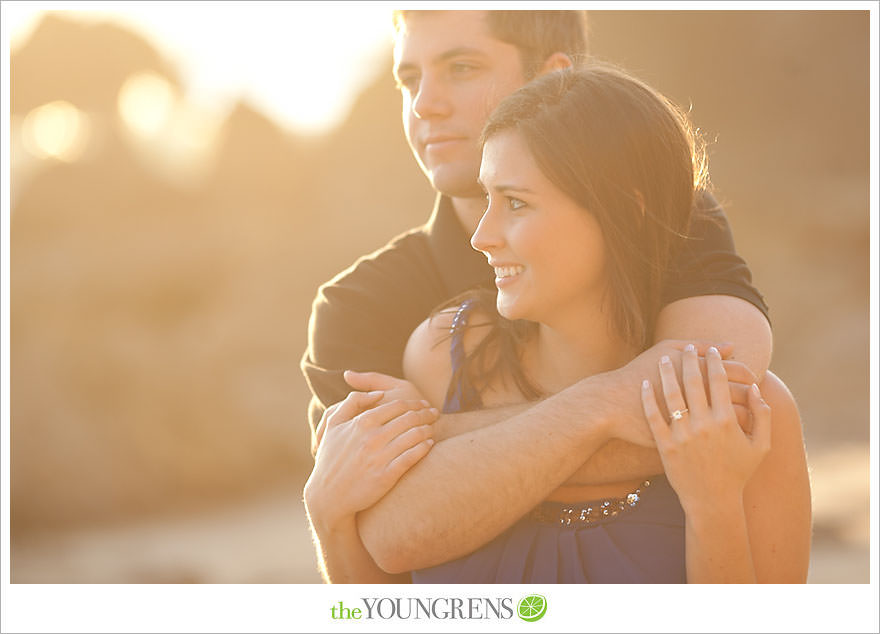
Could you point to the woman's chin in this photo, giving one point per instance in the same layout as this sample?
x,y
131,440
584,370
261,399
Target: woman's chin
x,y
509,310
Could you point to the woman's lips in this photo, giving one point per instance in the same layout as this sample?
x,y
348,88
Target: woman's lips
x,y
508,274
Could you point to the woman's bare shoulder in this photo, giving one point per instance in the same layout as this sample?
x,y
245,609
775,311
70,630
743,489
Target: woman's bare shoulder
x,y
426,360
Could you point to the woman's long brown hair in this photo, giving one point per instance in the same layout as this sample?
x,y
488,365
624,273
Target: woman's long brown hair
x,y
626,155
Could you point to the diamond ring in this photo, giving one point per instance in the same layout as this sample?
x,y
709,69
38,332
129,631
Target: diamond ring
x,y
677,414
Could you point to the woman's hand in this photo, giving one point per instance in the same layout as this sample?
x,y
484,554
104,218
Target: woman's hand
x,y
364,448
393,388
707,457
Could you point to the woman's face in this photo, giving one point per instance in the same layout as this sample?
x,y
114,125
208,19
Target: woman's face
x,y
548,252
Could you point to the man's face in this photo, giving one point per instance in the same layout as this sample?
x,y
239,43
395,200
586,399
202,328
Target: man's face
x,y
452,73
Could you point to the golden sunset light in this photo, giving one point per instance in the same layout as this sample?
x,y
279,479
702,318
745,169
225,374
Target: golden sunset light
x,y
286,69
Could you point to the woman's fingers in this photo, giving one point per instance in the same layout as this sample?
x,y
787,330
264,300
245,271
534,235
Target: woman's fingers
x,y
329,413
319,430
719,392
409,438
405,461
760,419
351,406
322,424
692,380
408,420
388,411
659,426
675,402
365,381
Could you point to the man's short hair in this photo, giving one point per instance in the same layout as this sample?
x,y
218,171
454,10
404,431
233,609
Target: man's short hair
x,y
536,34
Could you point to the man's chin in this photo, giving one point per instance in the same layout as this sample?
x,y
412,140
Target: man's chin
x,y
456,184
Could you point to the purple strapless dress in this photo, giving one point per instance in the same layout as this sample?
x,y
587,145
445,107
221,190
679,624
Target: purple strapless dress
x,y
643,542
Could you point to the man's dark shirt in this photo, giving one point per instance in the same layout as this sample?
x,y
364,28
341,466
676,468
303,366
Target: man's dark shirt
x,y
363,317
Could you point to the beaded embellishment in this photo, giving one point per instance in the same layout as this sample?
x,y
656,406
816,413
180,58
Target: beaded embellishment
x,y
566,515
460,318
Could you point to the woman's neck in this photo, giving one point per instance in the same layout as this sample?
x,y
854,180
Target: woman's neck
x,y
570,349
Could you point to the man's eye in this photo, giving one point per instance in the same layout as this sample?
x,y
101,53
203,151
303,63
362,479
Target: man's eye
x,y
408,83
462,67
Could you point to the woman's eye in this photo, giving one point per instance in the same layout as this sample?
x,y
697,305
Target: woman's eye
x,y
515,204
462,67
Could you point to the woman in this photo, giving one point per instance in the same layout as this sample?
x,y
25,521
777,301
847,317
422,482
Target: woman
x,y
590,177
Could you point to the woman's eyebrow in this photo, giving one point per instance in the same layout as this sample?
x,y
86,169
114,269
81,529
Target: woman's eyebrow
x,y
514,188
506,188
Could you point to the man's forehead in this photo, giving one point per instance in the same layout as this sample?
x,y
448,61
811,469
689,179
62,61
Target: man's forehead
x,y
433,34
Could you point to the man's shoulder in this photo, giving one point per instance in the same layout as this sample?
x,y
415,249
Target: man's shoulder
x,y
402,256
399,278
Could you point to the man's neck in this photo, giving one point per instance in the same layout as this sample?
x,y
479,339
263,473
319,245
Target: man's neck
x,y
469,211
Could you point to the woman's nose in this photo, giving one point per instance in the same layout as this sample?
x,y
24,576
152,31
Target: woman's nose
x,y
486,237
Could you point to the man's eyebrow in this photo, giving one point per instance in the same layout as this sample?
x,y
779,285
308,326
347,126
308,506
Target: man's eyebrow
x,y
442,57
459,51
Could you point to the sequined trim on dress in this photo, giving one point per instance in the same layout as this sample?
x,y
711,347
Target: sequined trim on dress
x,y
586,515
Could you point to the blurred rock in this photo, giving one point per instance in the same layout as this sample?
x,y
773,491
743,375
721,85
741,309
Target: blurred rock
x,y
80,61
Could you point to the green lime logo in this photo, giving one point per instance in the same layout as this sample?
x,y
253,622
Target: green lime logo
x,y
532,608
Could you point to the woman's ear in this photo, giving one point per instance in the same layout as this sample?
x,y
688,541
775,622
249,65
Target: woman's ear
x,y
557,61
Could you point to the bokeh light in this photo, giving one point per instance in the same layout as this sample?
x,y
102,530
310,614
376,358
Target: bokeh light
x,y
57,130
145,103
174,136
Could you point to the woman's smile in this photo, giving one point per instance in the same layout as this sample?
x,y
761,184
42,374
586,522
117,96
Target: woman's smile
x,y
507,275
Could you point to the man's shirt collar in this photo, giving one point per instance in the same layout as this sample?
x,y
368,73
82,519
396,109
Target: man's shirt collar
x,y
460,266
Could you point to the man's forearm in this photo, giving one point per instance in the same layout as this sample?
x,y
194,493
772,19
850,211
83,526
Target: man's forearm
x,y
472,486
615,461
476,484
450,425
342,557
710,318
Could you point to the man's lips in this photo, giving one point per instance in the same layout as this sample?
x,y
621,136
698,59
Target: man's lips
x,y
439,140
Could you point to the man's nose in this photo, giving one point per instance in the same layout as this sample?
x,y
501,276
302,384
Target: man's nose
x,y
431,100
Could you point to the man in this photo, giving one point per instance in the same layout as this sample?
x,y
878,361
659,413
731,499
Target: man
x,y
489,467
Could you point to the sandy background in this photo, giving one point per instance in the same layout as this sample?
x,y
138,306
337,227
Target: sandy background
x,y
158,315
